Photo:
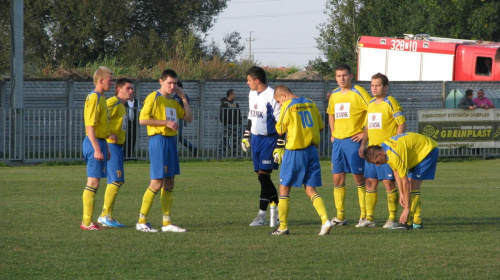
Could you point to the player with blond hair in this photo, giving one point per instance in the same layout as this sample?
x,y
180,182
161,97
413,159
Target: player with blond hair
x,y
95,148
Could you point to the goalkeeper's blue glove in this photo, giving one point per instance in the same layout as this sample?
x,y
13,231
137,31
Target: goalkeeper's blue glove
x,y
279,150
245,142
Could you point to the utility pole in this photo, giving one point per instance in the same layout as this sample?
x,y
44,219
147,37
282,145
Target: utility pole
x,y
17,79
250,46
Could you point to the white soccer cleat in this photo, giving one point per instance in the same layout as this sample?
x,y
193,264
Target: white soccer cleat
x,y
145,227
390,224
366,224
259,221
326,228
172,228
361,221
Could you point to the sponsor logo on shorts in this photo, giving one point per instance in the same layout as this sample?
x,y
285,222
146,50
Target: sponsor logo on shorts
x,y
266,162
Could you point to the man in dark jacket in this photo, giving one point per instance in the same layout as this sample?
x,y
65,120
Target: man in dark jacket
x,y
230,116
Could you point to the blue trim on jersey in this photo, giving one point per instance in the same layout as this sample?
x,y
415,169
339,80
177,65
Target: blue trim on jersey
x,y
270,121
386,100
116,104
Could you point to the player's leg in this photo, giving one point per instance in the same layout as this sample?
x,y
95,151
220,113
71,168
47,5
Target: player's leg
x,y
283,210
357,167
115,175
371,198
415,211
96,169
392,202
339,169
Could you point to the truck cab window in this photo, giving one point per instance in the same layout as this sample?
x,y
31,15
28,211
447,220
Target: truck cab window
x,y
483,66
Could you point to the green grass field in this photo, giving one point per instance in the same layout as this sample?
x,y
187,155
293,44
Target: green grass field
x,y
41,210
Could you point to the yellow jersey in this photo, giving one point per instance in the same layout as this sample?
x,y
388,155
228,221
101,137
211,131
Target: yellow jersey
x,y
383,119
95,113
406,150
349,110
158,107
301,121
117,119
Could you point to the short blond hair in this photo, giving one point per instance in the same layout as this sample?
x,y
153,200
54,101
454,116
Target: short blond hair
x,y
101,73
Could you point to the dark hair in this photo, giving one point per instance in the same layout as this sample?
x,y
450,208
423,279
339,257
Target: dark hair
x,y
168,73
385,80
469,92
229,92
371,152
257,73
120,83
343,67
179,84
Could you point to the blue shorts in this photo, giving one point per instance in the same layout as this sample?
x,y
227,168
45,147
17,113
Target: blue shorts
x,y
381,172
301,167
345,157
115,172
163,157
426,169
262,152
95,168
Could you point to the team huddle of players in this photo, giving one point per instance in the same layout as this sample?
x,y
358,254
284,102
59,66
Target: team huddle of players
x,y
368,140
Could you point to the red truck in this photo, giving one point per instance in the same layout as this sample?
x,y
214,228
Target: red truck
x,y
424,58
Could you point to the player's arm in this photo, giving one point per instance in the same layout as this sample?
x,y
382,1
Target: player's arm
x,y
404,195
401,128
93,140
153,122
331,123
364,141
245,141
188,115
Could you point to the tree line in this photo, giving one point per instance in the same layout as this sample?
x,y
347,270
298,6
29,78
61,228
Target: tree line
x,y
152,34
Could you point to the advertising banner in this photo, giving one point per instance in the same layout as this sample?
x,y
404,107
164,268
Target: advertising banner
x,y
454,128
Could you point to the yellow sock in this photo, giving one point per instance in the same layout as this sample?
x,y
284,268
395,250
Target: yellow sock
x,y
392,203
371,201
339,197
166,205
319,205
109,198
88,198
272,203
283,207
415,207
362,201
147,202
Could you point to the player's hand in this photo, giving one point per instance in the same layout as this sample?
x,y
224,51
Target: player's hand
x,y
358,137
361,151
172,125
245,142
279,150
404,216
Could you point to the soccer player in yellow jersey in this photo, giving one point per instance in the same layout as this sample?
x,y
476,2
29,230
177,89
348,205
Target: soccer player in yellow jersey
x,y
124,90
347,114
384,119
302,123
95,148
413,158
161,114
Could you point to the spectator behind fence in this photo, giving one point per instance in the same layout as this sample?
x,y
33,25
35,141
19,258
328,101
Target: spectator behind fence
x,y
230,116
481,101
466,101
133,108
